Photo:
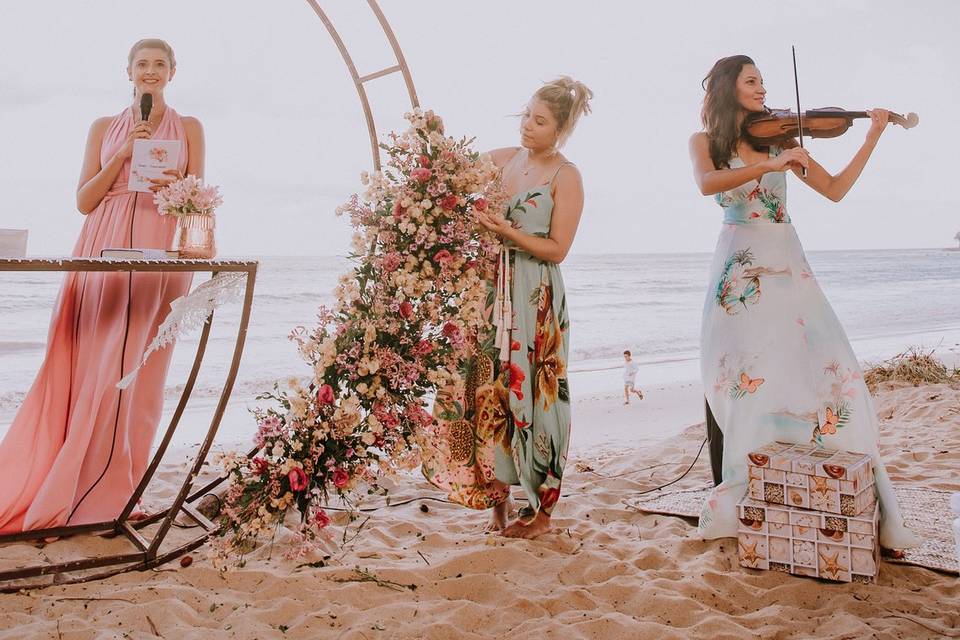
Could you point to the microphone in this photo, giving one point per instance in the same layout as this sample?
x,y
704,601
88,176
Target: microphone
x,y
146,105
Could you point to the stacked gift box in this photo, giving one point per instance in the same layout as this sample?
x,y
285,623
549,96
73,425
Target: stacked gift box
x,y
810,512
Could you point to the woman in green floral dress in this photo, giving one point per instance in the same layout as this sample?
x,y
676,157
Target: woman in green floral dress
x,y
510,424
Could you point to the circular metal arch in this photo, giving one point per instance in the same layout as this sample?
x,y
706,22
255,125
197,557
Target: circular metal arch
x,y
360,80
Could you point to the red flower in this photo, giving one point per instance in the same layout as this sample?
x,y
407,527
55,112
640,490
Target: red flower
x,y
398,211
480,205
449,202
325,395
340,478
321,519
260,466
423,348
442,257
298,479
514,346
421,174
406,310
451,330
515,378
424,160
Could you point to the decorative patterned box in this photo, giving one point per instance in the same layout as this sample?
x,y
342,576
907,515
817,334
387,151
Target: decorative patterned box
x,y
809,543
806,476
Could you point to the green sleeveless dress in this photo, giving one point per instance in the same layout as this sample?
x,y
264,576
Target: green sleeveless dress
x,y
510,421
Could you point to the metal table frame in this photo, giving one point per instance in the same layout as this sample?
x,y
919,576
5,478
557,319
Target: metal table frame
x,y
145,551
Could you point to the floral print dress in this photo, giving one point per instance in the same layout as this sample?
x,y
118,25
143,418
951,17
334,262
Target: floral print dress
x,y
510,420
775,361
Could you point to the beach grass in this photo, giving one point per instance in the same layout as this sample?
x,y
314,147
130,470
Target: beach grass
x,y
915,366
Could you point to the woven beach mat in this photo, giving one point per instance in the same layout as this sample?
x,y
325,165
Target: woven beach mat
x,y
926,511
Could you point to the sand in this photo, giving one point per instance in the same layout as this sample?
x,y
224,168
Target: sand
x,y
606,571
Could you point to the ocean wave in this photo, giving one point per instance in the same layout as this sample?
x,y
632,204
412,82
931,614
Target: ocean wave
x,y
21,346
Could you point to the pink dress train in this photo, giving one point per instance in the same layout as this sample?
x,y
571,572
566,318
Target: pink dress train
x,y
78,446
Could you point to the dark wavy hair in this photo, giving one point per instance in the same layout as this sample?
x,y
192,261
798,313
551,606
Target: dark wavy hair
x,y
720,108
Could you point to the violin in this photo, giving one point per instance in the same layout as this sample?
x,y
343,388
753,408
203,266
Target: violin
x,y
777,125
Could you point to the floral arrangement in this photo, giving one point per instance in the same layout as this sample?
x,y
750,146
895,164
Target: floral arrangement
x,y
188,196
400,329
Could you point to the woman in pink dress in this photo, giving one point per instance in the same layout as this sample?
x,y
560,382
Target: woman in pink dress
x,y
78,446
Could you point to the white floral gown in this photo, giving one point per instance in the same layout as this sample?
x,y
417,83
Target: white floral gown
x,y
775,361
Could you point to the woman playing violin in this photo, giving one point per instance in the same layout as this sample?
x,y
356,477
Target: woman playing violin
x,y
775,361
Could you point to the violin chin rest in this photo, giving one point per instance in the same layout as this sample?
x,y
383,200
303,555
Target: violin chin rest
x,y
912,120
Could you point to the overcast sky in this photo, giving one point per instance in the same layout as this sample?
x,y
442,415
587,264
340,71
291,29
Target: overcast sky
x,y
286,139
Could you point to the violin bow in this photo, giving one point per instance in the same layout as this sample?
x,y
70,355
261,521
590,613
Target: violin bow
x,y
796,86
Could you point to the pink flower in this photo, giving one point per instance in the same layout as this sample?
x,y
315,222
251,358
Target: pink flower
x,y
424,160
406,310
480,205
321,519
325,395
391,262
298,479
340,478
449,202
421,174
398,211
442,257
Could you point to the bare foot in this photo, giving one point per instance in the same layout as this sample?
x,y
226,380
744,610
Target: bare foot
x,y
138,515
499,515
529,530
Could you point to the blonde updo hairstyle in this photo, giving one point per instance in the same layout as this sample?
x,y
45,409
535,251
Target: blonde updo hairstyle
x,y
152,43
567,99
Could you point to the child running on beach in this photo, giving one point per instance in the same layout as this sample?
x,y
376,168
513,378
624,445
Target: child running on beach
x,y
629,376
